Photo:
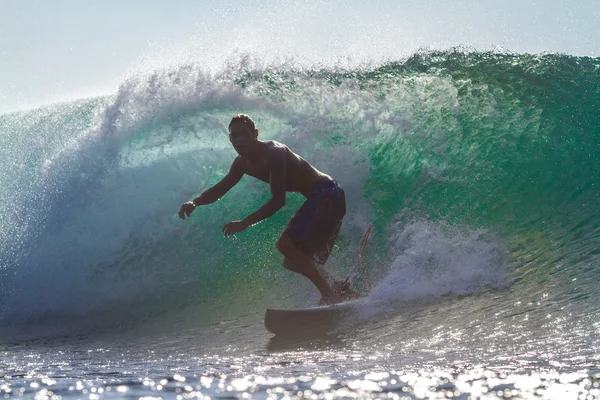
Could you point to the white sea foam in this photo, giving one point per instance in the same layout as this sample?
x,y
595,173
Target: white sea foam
x,y
433,260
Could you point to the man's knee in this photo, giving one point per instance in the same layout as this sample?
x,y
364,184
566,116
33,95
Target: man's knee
x,y
289,264
283,245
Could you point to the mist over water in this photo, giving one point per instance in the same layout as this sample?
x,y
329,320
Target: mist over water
x,y
43,65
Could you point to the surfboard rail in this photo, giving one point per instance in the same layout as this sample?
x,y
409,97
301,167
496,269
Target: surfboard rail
x,y
307,321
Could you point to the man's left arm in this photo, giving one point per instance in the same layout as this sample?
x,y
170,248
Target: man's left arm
x,y
277,172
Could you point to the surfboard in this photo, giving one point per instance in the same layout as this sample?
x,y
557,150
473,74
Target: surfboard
x,y
310,321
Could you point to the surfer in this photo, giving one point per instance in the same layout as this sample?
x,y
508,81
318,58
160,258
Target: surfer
x,y
310,235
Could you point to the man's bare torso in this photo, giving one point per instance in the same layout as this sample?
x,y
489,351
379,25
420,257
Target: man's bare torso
x,y
300,176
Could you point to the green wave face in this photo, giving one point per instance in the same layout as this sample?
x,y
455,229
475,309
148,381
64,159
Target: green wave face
x,y
474,154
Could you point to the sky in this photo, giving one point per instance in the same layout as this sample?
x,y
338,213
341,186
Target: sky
x,y
60,50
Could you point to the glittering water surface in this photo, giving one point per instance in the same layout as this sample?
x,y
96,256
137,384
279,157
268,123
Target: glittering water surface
x,y
328,372
428,350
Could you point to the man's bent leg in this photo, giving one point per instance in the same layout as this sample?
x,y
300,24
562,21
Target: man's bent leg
x,y
295,260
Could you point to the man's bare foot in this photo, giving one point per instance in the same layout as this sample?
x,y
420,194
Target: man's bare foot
x,y
341,292
344,290
329,300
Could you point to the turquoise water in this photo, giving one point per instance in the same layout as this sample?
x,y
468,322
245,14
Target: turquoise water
x,y
477,171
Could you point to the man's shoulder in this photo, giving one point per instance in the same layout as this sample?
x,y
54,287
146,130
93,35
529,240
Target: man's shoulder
x,y
239,163
275,146
276,150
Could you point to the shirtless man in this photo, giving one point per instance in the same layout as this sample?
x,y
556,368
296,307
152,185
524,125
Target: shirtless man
x,y
310,235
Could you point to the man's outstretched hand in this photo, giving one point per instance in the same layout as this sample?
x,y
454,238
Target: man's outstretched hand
x,y
186,209
233,227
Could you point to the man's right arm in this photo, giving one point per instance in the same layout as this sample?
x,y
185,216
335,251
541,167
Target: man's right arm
x,y
217,191
214,193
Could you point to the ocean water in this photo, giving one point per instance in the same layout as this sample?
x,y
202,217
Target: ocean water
x,y
478,172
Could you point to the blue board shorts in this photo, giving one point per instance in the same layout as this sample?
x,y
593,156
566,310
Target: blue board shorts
x,y
316,225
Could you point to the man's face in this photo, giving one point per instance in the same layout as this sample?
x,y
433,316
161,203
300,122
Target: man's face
x,y
242,138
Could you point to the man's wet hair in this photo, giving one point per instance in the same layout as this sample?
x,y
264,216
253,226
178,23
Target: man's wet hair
x,y
243,119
